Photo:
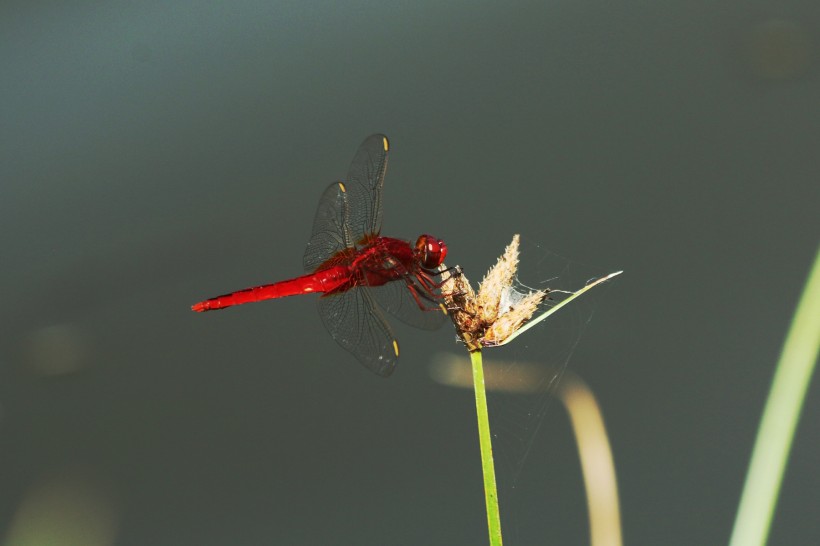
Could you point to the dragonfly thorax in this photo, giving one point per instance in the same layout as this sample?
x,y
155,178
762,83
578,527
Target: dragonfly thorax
x,y
430,251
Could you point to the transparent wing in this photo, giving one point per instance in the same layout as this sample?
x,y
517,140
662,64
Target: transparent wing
x,y
350,211
331,231
364,183
397,299
357,325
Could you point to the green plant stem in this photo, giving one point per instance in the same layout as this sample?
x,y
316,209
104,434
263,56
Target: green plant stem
x,y
485,441
780,418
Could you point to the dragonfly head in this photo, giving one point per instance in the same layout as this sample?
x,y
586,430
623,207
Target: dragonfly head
x,y
430,251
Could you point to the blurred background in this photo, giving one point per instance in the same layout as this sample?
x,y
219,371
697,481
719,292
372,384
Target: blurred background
x,y
157,153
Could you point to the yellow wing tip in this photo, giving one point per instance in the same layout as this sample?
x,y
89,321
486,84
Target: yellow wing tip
x,y
386,143
342,187
396,347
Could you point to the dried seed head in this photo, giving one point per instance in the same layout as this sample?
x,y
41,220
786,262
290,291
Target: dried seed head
x,y
497,279
498,310
513,318
460,299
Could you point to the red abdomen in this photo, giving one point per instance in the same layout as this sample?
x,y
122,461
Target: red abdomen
x,y
327,280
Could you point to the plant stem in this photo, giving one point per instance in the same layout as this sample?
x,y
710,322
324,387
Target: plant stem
x,y
595,455
485,441
780,417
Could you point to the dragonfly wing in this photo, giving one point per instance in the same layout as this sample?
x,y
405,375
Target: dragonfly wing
x,y
350,211
331,229
357,325
364,183
397,299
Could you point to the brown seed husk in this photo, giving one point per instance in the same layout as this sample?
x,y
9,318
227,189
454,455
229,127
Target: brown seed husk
x,y
480,319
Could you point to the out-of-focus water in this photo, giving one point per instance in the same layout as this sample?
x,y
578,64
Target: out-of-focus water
x,y
158,153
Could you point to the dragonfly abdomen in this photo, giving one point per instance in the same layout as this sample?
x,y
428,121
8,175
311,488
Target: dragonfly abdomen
x,y
321,281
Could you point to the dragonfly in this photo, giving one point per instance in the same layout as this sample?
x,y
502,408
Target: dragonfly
x,y
359,273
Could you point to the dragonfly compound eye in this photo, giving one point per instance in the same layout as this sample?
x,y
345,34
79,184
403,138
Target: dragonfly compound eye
x,y
431,250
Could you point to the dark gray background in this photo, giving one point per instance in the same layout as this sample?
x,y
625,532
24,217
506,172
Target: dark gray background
x,y
155,153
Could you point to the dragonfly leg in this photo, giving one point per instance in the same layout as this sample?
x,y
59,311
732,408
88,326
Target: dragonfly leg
x,y
424,288
425,294
454,271
426,278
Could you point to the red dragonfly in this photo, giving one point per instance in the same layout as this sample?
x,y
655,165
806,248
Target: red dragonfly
x,y
359,272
